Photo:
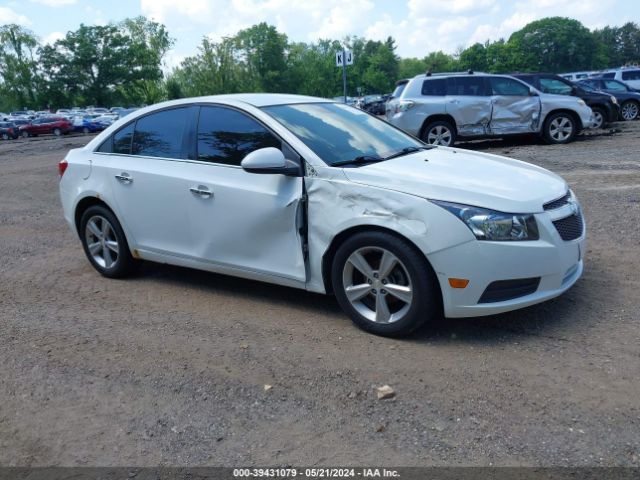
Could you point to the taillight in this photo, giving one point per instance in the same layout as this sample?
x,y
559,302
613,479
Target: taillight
x,y
62,167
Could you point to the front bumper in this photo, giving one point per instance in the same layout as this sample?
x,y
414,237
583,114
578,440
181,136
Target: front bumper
x,y
557,263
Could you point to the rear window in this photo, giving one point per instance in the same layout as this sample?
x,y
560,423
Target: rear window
x,y
631,75
436,86
399,89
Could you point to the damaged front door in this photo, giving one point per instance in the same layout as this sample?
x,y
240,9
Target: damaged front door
x,y
514,109
469,104
240,219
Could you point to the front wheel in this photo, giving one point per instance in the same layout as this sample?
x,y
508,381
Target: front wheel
x,y
104,243
629,110
559,128
25,134
57,132
384,284
5,136
439,133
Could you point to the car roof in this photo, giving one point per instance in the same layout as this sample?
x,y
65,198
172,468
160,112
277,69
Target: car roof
x,y
261,99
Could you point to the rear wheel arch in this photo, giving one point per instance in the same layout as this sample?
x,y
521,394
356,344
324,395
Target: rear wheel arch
x,y
438,118
84,204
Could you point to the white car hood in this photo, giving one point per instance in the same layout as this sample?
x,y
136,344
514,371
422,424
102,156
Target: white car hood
x,y
462,176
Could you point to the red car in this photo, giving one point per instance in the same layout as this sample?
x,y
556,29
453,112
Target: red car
x,y
40,126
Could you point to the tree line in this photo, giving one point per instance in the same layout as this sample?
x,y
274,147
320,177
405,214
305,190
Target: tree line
x,y
122,63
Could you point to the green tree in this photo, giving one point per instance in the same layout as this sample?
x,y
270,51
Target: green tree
x,y
18,67
410,67
474,57
262,50
441,62
553,44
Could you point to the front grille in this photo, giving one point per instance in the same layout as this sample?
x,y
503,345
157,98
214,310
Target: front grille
x,y
503,290
560,202
570,228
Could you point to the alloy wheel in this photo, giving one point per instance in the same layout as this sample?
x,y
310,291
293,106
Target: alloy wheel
x,y
630,111
101,241
599,119
561,129
439,135
377,285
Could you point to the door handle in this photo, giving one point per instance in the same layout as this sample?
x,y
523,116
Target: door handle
x,y
202,191
454,101
124,178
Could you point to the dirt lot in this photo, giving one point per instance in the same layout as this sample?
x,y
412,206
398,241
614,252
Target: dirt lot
x,y
169,367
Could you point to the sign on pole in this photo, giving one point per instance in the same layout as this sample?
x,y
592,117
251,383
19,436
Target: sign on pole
x,y
343,59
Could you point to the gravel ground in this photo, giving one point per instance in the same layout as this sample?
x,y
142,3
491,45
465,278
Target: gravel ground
x,y
169,368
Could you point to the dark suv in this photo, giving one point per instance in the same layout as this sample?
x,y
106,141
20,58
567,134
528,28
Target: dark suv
x,y
605,107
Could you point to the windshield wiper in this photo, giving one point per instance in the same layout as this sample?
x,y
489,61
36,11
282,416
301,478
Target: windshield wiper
x,y
407,151
361,160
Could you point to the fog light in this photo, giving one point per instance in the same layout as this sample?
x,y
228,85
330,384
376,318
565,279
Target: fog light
x,y
458,282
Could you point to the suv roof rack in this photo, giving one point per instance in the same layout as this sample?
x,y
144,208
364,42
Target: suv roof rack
x,y
447,74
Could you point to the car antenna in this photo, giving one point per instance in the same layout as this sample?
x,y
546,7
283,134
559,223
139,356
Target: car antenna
x,y
428,74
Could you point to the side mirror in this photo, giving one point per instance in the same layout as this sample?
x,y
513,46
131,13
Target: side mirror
x,y
533,92
269,160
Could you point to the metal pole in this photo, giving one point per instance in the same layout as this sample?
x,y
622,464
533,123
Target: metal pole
x,y
344,75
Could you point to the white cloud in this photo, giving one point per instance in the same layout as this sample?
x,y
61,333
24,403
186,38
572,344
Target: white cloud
x,y
54,3
9,16
427,7
52,38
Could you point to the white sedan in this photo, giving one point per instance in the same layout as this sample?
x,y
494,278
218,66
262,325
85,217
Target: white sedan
x,y
309,193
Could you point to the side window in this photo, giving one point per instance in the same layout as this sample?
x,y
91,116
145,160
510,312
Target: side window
x,y
122,140
437,87
553,85
609,75
614,85
160,134
508,86
631,75
471,86
226,136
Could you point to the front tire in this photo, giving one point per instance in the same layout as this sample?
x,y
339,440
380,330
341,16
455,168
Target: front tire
x,y
384,284
57,132
439,133
25,134
559,128
629,110
105,244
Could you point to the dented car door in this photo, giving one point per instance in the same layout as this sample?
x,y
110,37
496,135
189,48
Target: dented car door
x,y
241,220
469,104
513,108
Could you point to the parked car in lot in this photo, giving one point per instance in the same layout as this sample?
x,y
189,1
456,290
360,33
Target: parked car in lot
x,y
8,131
86,124
317,195
439,109
605,107
628,97
628,75
40,126
375,104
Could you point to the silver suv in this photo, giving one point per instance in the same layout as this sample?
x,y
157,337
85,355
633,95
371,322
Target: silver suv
x,y
439,109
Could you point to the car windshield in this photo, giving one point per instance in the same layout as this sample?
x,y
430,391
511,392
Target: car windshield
x,y
338,133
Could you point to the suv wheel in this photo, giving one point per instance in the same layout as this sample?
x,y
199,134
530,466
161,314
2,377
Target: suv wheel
x,y
104,243
599,116
629,110
559,128
384,284
439,133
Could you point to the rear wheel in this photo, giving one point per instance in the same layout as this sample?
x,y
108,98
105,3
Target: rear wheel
x,y
85,130
629,110
5,136
384,284
57,132
25,134
599,117
559,128
439,133
104,243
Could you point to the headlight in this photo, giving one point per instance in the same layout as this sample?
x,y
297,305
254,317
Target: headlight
x,y
614,100
491,225
581,102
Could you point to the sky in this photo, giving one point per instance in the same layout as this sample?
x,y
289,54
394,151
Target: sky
x,y
418,26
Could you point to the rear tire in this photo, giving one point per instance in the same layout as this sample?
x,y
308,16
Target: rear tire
x,y
559,128
25,134
105,244
600,117
384,284
439,133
